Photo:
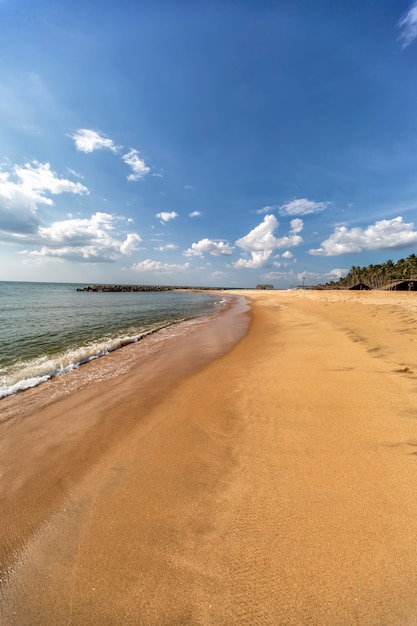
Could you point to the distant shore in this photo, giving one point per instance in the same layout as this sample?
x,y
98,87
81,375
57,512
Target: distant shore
x,y
270,484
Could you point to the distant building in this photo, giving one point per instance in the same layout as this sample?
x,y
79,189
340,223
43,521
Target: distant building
x,y
264,286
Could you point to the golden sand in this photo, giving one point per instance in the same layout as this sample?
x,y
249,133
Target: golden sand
x,y
274,485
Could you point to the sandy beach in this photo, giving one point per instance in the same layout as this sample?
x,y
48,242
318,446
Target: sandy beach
x,y
274,484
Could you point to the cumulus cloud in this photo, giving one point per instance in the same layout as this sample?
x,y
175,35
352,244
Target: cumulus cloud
x,y
24,188
259,258
36,179
408,26
207,246
166,216
85,239
337,273
261,241
148,265
296,226
383,235
138,165
261,237
302,206
130,244
195,214
287,255
89,140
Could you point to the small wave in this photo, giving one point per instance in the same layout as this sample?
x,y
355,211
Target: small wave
x,y
32,374
22,385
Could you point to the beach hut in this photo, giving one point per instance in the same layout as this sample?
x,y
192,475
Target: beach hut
x,y
360,287
407,284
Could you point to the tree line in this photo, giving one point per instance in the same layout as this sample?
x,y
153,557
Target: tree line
x,y
378,275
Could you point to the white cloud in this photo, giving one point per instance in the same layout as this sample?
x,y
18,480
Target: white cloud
x,y
23,188
77,230
218,274
89,140
138,165
296,225
259,258
408,26
261,242
148,265
195,214
261,237
302,206
289,277
74,173
207,246
267,209
383,235
165,216
337,273
168,246
38,179
287,255
85,239
130,244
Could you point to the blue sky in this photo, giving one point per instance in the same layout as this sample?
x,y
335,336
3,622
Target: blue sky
x,y
206,143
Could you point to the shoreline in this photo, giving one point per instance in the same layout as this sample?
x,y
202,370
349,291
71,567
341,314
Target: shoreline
x,y
273,484
66,425
59,357
100,366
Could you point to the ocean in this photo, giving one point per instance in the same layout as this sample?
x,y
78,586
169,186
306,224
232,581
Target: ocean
x,y
49,329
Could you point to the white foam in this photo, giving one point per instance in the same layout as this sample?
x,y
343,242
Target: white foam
x,y
37,371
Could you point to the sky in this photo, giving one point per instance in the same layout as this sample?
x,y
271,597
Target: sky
x,y
206,143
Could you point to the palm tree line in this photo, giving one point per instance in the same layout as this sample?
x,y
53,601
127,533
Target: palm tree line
x,y
376,276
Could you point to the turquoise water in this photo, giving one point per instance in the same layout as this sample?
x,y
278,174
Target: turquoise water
x,y
47,329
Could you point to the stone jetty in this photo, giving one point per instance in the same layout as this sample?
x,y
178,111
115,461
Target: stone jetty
x,y
123,288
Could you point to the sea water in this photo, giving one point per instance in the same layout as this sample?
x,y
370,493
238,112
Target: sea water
x,y
48,329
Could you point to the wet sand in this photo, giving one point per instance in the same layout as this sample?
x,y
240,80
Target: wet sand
x,y
275,484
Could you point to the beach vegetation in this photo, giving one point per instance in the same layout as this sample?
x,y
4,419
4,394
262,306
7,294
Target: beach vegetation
x,y
377,276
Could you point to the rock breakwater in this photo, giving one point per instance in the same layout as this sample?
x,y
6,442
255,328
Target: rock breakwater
x,y
122,288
